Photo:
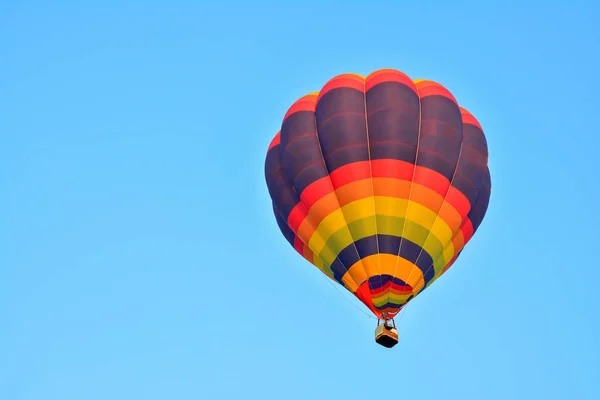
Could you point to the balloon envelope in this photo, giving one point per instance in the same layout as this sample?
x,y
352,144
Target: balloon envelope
x,y
379,182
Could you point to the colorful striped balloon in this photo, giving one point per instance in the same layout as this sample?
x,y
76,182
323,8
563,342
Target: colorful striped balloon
x,y
379,182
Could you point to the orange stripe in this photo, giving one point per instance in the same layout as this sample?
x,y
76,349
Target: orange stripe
x,y
308,254
391,187
352,81
305,232
431,88
388,75
433,201
354,191
450,215
460,240
326,206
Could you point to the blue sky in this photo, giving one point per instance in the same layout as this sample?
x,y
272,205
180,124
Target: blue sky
x,y
138,255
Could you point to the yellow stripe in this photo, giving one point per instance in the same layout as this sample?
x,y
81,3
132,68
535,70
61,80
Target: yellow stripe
x,y
330,224
361,219
334,225
396,299
447,250
349,283
316,243
438,228
419,217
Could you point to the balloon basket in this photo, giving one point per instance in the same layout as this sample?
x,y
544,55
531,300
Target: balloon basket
x,y
386,335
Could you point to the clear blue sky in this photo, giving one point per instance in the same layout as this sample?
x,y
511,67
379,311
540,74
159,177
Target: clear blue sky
x,y
138,255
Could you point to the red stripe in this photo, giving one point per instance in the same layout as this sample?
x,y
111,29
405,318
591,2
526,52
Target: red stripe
x,y
275,142
352,172
390,286
459,201
306,103
389,168
299,246
364,295
385,168
303,250
432,179
388,75
296,217
315,191
343,81
467,230
468,118
430,88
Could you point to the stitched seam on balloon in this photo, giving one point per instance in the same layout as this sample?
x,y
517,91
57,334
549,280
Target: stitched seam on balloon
x,y
282,168
455,233
451,241
337,200
412,182
460,152
304,208
372,189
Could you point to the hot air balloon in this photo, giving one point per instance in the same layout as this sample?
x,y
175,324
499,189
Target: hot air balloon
x,y
379,182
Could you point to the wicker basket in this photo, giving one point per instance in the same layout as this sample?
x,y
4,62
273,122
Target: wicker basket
x,y
386,336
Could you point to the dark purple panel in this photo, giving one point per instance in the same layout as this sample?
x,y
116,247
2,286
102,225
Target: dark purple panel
x,y
279,183
283,227
474,137
472,175
393,121
342,128
301,153
441,135
480,207
342,131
